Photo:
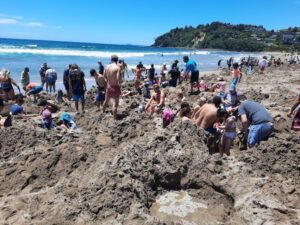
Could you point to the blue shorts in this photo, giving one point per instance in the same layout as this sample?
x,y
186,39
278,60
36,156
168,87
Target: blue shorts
x,y
211,130
36,90
234,81
100,97
76,98
258,133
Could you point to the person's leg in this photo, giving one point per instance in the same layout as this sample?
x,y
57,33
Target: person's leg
x,y
82,104
47,86
76,107
54,87
192,87
115,107
253,135
105,104
228,144
221,146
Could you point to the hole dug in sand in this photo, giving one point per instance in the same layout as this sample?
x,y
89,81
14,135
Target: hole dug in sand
x,y
180,207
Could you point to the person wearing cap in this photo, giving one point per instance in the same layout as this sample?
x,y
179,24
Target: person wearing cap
x,y
25,79
295,110
206,116
66,122
230,99
191,67
257,123
113,77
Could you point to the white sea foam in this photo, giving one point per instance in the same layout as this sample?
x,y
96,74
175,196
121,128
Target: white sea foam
x,y
98,54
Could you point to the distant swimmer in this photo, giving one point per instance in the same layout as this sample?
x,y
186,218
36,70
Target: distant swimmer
x,y
219,64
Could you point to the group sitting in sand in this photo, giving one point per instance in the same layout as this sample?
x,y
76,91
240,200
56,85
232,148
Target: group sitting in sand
x,y
217,109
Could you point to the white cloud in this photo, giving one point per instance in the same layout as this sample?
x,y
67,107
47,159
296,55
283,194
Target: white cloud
x,y
33,24
8,21
11,17
17,20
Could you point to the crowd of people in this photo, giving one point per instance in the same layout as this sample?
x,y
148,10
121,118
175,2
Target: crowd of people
x,y
218,116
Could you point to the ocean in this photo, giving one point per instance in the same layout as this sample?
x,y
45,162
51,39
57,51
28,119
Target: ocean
x,y
16,54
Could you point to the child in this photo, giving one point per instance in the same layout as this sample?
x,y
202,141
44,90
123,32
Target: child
x,y
180,96
47,122
229,128
17,108
185,112
101,86
236,74
66,122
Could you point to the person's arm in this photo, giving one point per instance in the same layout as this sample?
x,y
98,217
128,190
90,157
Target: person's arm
x,y
84,84
162,99
149,102
120,79
296,104
105,75
15,84
70,83
245,123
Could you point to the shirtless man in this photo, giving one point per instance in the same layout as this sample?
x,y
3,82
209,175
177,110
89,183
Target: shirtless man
x,y
157,101
206,116
138,76
112,75
101,86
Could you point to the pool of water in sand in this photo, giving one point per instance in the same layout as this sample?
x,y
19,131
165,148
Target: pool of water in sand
x,y
180,207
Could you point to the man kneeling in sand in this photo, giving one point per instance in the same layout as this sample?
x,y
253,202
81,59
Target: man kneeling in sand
x,y
113,77
206,116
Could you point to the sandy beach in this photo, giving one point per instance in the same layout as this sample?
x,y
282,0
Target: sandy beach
x,y
112,172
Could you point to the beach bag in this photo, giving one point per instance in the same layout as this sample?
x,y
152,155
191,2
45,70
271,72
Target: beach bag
x,y
168,117
296,121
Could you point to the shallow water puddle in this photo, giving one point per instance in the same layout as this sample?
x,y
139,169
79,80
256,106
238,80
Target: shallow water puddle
x,y
180,207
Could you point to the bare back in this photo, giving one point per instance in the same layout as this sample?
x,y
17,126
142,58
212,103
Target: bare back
x,y
112,74
207,116
101,81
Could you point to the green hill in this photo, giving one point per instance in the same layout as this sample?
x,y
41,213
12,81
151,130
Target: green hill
x,y
226,36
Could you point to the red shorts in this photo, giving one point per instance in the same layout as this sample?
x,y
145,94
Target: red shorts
x,y
113,91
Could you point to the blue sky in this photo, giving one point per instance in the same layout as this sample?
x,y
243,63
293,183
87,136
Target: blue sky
x,y
134,21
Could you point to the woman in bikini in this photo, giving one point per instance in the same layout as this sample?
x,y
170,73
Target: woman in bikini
x,y
156,102
7,85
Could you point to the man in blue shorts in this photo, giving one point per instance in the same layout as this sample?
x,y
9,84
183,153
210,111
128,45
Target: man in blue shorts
x,y
256,121
191,67
77,86
101,86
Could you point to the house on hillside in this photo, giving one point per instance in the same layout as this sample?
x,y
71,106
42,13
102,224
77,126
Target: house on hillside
x,y
288,39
